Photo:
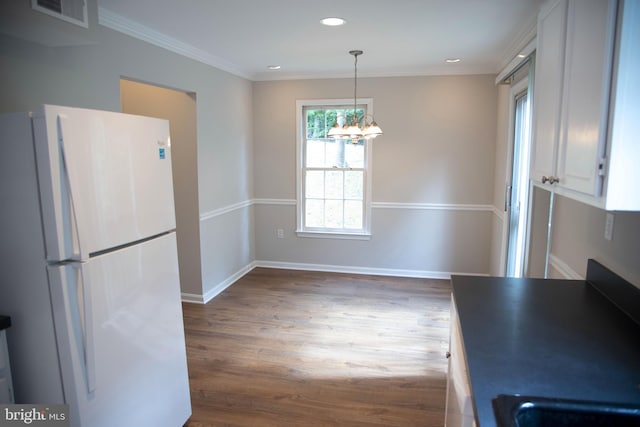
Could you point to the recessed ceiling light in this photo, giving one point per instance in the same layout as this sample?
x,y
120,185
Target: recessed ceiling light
x,y
273,67
452,60
333,22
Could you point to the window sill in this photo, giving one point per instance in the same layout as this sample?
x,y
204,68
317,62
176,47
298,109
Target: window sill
x,y
334,235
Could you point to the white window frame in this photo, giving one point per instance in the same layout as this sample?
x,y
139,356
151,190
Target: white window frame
x,y
365,232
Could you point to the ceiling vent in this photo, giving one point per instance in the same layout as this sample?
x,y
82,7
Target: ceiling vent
x,y
74,11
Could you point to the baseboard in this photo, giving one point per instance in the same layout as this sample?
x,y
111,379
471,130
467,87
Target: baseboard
x,y
563,268
191,298
217,289
422,274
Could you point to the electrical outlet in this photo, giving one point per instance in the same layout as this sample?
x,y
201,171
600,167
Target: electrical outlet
x,y
608,226
280,233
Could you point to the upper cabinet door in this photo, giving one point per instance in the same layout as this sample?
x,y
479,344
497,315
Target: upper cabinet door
x,y
587,76
548,89
585,108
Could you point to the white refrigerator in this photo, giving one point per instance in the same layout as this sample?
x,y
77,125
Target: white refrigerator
x,y
88,266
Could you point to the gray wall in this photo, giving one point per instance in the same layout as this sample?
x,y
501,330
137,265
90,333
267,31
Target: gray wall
x,y
498,247
45,60
578,234
180,109
434,164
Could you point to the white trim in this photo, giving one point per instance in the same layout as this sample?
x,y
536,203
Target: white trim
x,y
191,298
141,32
290,202
434,206
375,205
219,288
424,274
226,209
521,42
300,161
516,89
333,235
516,62
563,268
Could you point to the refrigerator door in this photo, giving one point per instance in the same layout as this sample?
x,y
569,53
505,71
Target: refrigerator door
x,y
105,179
120,336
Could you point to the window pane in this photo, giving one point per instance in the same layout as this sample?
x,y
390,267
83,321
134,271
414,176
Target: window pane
x,y
334,184
333,171
354,155
314,215
352,214
353,185
314,184
333,214
336,154
315,153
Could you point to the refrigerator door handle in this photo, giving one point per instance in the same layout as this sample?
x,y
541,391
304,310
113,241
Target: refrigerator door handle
x,y
74,321
62,124
89,348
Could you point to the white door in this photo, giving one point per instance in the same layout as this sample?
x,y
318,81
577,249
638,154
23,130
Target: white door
x,y
105,179
120,337
517,197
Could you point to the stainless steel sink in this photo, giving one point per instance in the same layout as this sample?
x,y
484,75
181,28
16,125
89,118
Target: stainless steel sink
x,y
528,411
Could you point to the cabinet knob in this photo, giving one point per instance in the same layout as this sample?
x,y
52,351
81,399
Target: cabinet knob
x,y
448,354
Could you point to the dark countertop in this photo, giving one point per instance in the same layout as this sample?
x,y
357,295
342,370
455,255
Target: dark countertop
x,y
5,322
548,338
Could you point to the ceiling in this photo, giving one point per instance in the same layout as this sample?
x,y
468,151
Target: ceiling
x,y
398,37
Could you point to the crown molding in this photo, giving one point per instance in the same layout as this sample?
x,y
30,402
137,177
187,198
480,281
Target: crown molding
x,y
136,30
521,41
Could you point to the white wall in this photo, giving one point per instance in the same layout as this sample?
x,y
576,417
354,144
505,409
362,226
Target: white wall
x,y
45,60
432,176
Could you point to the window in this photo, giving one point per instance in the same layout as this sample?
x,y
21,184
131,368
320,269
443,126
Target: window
x,y
333,174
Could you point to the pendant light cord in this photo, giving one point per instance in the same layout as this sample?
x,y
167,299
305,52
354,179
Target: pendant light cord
x,y
355,87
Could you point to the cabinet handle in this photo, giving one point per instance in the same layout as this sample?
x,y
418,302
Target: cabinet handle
x,y
448,354
550,179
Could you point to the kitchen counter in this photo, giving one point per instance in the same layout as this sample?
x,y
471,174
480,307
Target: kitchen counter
x,y
5,322
548,338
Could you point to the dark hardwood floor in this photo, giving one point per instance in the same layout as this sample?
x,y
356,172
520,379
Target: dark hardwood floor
x,y
296,348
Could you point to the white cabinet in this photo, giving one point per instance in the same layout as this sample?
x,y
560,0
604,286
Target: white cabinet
x,y
622,182
459,411
579,67
585,95
548,88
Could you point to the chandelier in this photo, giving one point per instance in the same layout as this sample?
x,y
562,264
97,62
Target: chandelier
x,y
357,129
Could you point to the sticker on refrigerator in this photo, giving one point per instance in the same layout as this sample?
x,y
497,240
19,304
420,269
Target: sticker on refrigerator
x,y
161,153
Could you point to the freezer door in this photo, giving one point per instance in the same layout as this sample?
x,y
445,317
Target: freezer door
x,y
105,179
120,336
